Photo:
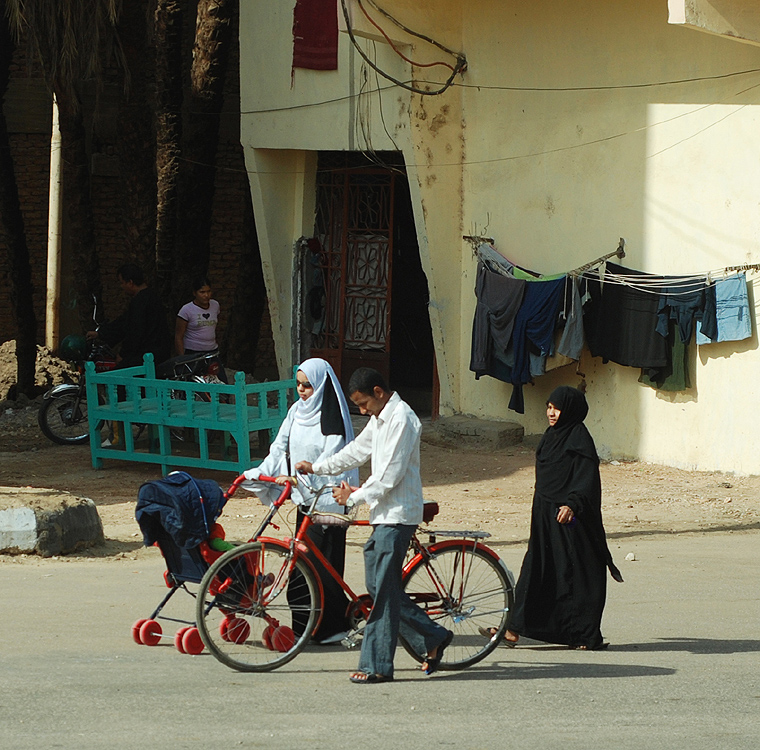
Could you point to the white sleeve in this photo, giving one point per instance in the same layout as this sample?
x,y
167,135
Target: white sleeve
x,y
276,461
400,439
351,456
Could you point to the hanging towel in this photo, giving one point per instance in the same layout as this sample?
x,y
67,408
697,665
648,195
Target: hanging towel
x,y
315,34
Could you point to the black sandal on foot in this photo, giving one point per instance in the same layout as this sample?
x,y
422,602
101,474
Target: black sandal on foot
x,y
490,633
435,662
364,678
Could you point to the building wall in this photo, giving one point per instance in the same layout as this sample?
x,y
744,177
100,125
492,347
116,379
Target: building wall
x,y
576,125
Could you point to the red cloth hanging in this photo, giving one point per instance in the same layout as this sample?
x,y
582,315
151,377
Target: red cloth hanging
x,y
315,34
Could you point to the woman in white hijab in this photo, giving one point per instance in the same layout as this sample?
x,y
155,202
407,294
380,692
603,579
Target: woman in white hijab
x,y
316,426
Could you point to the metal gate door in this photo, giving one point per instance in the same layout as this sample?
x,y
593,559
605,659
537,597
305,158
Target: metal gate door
x,y
352,262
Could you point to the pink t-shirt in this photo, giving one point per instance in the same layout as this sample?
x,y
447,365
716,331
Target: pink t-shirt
x,y
201,325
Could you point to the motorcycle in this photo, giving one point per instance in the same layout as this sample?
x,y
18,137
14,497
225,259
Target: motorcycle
x,y
203,367
63,414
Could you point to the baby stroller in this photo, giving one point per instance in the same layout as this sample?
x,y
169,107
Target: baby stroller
x,y
178,515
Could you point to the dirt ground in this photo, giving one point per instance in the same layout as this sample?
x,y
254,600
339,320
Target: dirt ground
x,y
476,489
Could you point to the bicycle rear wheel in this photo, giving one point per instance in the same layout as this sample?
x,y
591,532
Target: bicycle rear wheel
x,y
465,590
63,418
257,606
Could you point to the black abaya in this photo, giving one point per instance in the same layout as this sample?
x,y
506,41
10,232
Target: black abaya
x,y
561,591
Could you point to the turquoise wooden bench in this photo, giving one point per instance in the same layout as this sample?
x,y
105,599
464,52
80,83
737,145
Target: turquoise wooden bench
x,y
166,409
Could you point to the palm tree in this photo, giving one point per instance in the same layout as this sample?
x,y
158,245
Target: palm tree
x,y
168,30
213,38
75,41
12,225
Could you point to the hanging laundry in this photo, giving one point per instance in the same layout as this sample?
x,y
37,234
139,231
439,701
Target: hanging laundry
x,y
534,325
571,343
733,321
621,321
499,298
681,301
675,375
315,34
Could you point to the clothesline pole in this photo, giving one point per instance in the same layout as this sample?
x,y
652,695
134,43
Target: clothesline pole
x,y
619,252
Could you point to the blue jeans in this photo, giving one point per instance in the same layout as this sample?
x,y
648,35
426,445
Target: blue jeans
x,y
393,610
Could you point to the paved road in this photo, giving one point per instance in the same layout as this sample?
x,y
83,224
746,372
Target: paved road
x,y
683,670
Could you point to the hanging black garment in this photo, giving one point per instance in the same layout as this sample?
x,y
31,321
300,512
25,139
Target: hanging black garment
x,y
562,587
623,327
499,299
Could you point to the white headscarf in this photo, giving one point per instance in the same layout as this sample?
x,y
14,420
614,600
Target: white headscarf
x,y
309,412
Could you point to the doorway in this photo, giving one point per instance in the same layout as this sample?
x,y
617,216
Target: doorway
x,y
365,293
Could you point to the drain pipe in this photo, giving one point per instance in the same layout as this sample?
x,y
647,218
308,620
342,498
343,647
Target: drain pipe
x,y
53,297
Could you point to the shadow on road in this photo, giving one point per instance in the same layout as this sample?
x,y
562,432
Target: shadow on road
x,y
512,671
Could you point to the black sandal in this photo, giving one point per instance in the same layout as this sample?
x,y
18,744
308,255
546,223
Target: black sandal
x,y
364,678
435,662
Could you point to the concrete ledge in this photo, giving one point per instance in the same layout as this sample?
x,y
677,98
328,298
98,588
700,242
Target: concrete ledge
x,y
47,522
473,432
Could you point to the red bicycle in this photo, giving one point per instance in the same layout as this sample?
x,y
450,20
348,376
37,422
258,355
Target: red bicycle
x,y
258,604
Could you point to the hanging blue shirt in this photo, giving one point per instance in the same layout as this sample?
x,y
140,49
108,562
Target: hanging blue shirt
x,y
534,325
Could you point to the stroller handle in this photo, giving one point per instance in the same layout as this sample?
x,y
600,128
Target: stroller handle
x,y
284,495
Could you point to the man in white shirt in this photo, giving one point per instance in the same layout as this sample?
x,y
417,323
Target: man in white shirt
x,y
393,493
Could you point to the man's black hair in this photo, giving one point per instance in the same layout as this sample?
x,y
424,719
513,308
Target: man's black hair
x,y
131,272
365,380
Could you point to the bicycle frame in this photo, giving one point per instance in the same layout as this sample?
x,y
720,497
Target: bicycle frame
x,y
301,544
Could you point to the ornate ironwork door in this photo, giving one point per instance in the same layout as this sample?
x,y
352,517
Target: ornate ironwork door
x,y
351,269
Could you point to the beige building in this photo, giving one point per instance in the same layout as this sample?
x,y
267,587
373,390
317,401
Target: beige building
x,y
573,125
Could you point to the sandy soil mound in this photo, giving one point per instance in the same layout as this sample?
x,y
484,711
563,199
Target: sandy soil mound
x,y
50,370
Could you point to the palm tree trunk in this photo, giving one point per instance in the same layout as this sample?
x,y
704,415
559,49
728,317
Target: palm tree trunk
x,y
168,28
213,36
136,134
12,225
77,205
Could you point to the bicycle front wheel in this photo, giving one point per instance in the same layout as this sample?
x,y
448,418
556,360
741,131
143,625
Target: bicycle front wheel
x,y
467,591
257,606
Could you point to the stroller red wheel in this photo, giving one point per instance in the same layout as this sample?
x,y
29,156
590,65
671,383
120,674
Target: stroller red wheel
x,y
238,630
136,631
283,638
224,626
266,637
178,639
150,633
191,642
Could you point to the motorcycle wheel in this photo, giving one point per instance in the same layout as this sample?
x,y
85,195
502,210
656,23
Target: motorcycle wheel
x,y
63,420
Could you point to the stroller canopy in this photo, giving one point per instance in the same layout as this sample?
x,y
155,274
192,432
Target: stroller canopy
x,y
184,507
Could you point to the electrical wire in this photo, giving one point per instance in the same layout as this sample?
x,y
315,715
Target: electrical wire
x,y
396,49
614,87
460,66
339,99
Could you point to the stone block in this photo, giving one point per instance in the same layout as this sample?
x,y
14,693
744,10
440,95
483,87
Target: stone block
x,y
47,522
461,429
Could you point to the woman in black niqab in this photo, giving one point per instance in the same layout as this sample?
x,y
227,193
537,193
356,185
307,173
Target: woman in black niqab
x,y
561,591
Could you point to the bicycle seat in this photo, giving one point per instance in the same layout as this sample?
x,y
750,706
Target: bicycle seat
x,y
429,511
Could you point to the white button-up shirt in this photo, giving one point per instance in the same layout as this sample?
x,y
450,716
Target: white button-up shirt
x,y
393,490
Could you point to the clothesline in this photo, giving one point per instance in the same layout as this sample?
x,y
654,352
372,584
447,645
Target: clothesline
x,y
650,284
